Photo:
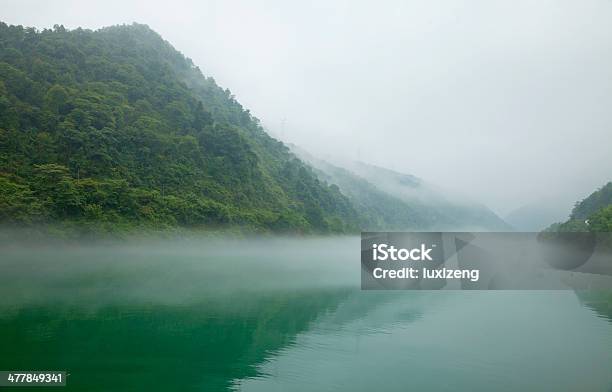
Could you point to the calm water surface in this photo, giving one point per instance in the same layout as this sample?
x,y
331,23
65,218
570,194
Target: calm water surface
x,y
280,315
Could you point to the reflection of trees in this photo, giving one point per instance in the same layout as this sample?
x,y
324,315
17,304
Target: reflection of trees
x,y
599,301
375,310
194,347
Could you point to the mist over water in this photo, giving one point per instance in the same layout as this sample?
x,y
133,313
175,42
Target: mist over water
x,y
279,314
174,272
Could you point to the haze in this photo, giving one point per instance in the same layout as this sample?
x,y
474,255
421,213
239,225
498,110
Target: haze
x,y
507,102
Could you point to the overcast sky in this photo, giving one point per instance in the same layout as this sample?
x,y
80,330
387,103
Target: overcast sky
x,y
508,102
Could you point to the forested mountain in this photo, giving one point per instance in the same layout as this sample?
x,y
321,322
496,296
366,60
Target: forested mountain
x,y
387,200
595,202
115,128
593,213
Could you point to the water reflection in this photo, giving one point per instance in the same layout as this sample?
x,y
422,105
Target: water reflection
x,y
161,316
461,341
599,301
157,347
282,315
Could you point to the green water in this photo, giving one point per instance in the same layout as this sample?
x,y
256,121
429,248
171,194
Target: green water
x,y
280,315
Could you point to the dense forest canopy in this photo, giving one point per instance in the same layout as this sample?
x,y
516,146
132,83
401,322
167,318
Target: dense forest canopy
x,y
114,128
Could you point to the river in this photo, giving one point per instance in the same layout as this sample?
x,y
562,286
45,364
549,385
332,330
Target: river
x,y
280,314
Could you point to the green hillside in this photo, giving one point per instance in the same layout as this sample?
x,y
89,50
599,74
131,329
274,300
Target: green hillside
x,y
593,213
116,129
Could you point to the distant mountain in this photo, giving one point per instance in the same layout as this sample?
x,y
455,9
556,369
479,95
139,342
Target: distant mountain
x,y
594,213
114,128
387,200
536,216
